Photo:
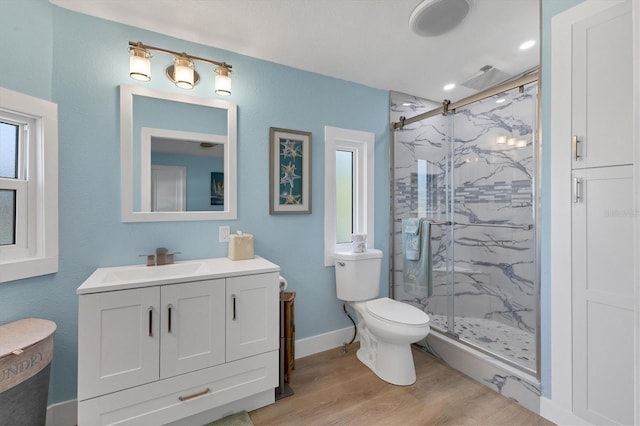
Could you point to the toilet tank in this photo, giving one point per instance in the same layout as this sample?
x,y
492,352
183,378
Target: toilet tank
x,y
358,275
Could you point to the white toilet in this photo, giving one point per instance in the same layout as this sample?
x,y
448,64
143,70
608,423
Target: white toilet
x,y
386,327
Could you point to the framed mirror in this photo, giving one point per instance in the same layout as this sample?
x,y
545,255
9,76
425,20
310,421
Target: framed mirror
x,y
178,156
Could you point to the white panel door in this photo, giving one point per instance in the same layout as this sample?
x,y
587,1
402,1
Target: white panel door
x,y
602,89
193,326
252,315
168,188
603,294
118,340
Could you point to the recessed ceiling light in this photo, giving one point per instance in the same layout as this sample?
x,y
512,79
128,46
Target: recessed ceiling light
x,y
501,100
527,45
449,86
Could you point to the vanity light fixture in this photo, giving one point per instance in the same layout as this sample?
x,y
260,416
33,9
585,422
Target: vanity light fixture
x,y
181,72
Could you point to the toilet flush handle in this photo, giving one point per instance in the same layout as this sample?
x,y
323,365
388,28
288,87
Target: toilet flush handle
x,y
341,263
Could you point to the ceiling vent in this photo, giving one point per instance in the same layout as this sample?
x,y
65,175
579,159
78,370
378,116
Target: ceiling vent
x,y
432,18
486,78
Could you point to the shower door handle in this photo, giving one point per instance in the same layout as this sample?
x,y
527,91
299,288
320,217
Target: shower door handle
x,y
575,141
577,190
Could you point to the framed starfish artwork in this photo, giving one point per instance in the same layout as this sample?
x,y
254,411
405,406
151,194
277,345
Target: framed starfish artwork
x,y
289,171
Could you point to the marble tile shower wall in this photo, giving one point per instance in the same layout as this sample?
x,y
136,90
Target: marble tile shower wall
x,y
493,168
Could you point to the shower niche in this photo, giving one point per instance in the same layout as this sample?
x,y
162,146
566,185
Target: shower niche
x,y
471,173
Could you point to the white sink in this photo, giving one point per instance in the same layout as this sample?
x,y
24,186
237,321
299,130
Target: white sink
x,y
140,273
135,276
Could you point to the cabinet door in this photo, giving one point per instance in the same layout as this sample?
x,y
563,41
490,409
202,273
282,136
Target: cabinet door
x,y
252,315
602,89
193,324
118,340
603,295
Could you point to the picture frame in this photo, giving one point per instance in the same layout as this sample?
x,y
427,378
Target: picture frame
x,y
217,188
289,171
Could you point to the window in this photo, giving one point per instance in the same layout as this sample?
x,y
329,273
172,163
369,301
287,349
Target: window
x,y
344,195
348,186
28,186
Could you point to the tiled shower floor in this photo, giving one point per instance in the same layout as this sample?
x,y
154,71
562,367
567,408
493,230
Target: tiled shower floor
x,y
508,342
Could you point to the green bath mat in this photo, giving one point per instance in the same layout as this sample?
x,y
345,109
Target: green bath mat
x,y
238,419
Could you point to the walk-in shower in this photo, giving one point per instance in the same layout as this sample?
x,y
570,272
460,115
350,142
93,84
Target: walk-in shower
x,y
469,171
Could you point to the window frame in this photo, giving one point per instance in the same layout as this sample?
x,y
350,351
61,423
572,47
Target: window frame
x,y
361,144
36,251
24,240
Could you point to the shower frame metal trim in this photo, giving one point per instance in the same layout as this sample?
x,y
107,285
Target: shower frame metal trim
x,y
447,106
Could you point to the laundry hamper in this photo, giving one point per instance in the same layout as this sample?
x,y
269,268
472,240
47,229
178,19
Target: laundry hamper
x,y
26,348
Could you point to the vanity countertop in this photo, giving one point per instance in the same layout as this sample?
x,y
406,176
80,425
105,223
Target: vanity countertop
x,y
132,276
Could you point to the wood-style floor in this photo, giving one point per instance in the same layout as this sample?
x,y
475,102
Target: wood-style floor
x,y
332,388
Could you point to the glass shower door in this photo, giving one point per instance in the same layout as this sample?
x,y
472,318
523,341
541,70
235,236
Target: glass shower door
x,y
492,210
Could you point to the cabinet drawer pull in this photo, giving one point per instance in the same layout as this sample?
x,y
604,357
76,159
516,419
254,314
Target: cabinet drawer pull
x,y
576,146
150,321
233,301
577,190
195,395
170,308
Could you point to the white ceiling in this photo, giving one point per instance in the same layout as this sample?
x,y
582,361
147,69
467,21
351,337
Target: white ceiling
x,y
364,41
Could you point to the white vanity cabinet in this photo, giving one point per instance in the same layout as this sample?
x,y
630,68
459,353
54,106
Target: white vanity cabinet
x,y
160,348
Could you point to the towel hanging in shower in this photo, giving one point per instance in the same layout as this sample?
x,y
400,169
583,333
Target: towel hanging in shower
x,y
411,238
417,274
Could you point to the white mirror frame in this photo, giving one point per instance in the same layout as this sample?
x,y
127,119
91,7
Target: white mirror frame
x,y
126,158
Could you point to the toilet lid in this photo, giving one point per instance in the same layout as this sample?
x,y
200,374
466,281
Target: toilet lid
x,y
392,310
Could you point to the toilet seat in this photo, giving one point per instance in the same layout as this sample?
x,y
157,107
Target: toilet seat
x,y
390,310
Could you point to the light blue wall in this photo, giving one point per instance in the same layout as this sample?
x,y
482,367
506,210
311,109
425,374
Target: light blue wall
x,y
549,9
26,40
79,62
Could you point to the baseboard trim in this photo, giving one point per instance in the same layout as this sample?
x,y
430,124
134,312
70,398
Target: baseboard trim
x,y
63,413
323,342
558,415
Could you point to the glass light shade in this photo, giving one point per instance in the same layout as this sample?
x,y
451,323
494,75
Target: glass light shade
x,y
501,140
223,81
521,144
183,73
511,141
140,64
